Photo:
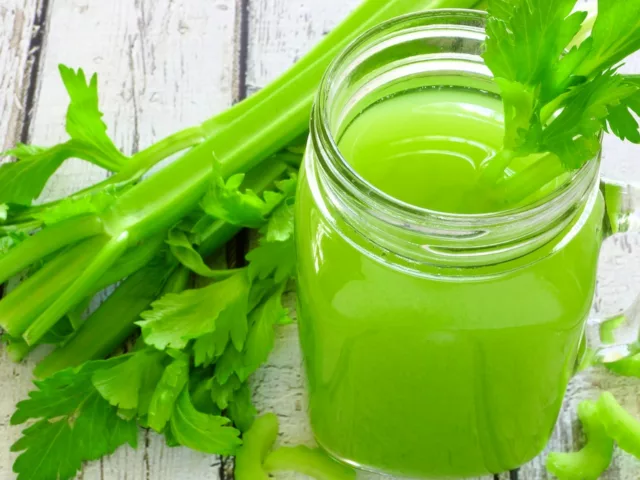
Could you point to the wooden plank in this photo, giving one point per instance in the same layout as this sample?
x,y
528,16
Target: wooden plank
x,y
19,47
18,35
281,31
150,90
162,66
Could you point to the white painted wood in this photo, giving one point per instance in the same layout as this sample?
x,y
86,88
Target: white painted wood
x,y
163,66
16,29
281,31
167,64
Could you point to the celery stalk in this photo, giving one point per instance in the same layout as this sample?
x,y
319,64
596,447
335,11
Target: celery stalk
x,y
48,241
78,289
110,325
31,298
240,138
114,321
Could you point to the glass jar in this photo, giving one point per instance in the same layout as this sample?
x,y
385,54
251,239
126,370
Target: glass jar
x,y
435,344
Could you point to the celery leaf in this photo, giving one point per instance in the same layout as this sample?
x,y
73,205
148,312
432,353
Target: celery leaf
x,y
615,35
182,248
218,309
575,134
173,380
273,258
23,181
559,99
260,341
241,409
261,336
225,201
526,41
200,431
84,121
142,371
74,424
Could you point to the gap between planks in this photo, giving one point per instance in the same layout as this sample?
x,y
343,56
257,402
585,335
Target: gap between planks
x,y
36,50
239,246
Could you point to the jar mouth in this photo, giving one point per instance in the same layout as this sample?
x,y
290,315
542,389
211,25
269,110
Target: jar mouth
x,y
348,175
416,233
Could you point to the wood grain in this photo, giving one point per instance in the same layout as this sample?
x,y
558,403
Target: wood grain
x,y
20,31
167,64
162,66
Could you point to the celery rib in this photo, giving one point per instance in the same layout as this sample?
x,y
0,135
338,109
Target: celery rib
x,y
48,241
110,325
79,288
30,299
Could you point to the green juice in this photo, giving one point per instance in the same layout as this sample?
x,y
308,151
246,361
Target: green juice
x,y
433,376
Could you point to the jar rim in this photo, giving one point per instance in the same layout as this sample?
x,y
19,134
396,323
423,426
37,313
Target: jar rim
x,y
345,174
408,236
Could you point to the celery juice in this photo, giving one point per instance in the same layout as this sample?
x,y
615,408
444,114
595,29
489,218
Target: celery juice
x,y
425,375
426,147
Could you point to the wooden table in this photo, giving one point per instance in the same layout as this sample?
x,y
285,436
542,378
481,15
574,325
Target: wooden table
x,y
168,64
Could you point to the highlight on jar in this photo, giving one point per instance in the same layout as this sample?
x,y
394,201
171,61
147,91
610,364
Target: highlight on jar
x,y
426,202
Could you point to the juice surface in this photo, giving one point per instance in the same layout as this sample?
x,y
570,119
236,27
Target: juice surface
x,y
426,376
426,148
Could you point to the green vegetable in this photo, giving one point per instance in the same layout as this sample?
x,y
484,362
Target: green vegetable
x,y
627,366
559,93
256,445
594,458
254,462
110,325
152,384
225,201
200,431
74,424
619,424
240,408
309,461
609,327
142,370
171,384
219,310
21,182
242,137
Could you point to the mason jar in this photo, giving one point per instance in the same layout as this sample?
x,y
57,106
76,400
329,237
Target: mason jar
x,y
435,344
